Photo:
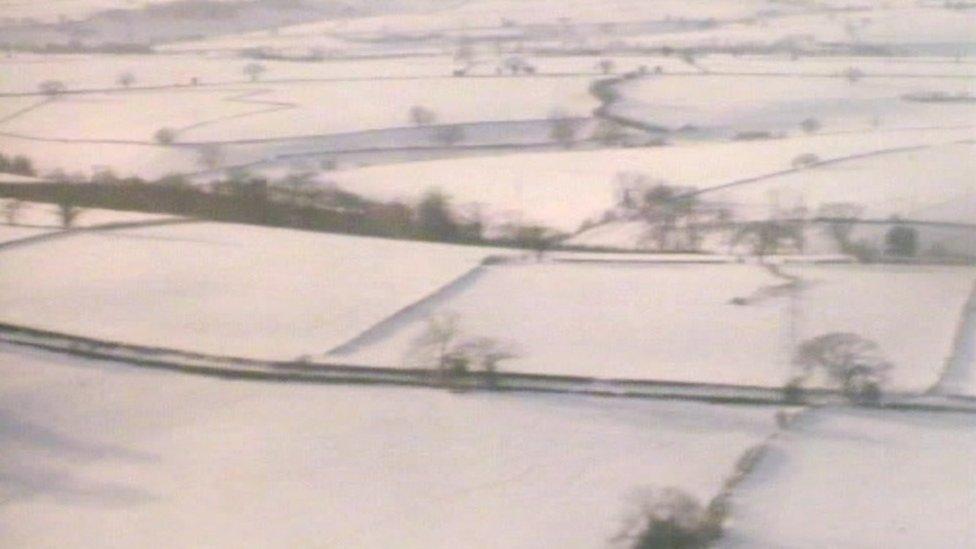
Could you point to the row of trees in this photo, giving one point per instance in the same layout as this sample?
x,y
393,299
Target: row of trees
x,y
677,219
17,165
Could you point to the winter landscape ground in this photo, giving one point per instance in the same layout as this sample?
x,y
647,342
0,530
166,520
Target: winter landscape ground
x,y
488,273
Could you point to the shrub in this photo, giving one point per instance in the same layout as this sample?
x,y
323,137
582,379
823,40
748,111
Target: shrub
x,y
670,518
165,136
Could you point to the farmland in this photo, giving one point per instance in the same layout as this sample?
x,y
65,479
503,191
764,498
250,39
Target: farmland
x,y
618,274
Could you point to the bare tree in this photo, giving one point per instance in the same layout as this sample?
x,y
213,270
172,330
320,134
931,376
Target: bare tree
x,y
769,236
125,79
849,360
11,211
810,125
435,344
487,353
610,133
805,160
443,347
853,75
254,71
52,88
668,518
210,156
665,208
422,116
449,135
68,211
562,128
841,218
165,136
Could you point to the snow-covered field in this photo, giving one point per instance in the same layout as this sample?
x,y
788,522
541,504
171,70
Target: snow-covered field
x,y
912,312
675,323
931,184
563,189
270,110
10,233
87,159
221,288
863,479
731,104
97,455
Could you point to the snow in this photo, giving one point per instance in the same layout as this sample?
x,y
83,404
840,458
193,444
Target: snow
x,y
86,158
222,288
564,189
10,233
931,184
776,103
99,455
86,71
911,312
675,322
659,322
862,479
329,108
290,109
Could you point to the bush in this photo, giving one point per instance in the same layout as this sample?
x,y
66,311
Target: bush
x,y
793,391
672,519
165,136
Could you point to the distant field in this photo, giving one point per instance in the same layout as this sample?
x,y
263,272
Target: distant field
x,y
563,189
730,105
931,184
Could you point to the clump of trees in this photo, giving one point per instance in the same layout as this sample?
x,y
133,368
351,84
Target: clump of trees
x,y
901,241
770,236
444,348
18,165
853,363
675,216
669,518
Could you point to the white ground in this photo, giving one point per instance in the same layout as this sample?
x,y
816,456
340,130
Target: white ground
x,y
564,189
659,322
934,184
912,312
10,234
97,455
238,112
677,322
221,288
862,480
150,161
780,103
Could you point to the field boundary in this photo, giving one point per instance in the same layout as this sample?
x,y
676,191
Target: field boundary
x,y
239,368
